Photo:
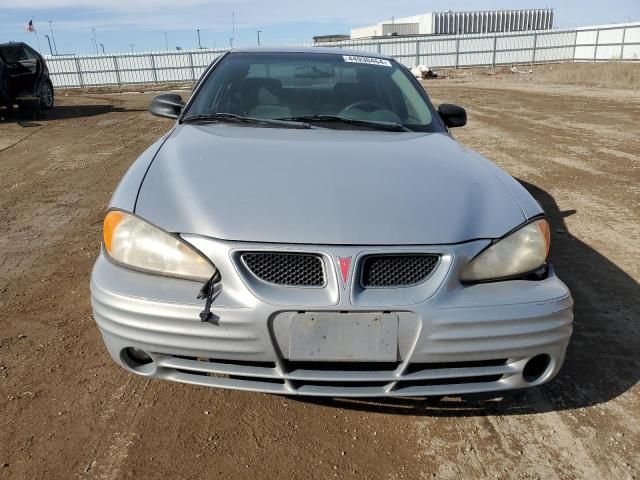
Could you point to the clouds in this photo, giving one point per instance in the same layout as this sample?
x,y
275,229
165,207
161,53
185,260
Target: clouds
x,y
213,14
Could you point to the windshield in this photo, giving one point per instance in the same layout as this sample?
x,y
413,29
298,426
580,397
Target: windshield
x,y
301,86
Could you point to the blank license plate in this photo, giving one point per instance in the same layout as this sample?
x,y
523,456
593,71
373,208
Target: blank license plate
x,y
343,337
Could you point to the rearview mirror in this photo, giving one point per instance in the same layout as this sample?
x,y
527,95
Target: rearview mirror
x,y
168,105
452,115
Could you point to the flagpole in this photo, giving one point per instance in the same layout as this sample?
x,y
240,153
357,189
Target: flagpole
x,y
35,30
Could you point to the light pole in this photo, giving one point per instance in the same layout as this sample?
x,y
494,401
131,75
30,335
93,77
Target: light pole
x,y
166,41
53,37
133,46
199,43
259,32
102,46
48,40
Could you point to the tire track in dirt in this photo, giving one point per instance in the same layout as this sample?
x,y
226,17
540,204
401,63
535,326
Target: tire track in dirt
x,y
592,439
69,412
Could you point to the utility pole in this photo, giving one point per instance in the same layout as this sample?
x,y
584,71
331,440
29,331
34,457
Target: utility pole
x,y
199,43
233,27
95,42
259,32
50,49
55,47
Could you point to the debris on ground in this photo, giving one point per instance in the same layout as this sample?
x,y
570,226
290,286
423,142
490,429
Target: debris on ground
x,y
514,69
422,72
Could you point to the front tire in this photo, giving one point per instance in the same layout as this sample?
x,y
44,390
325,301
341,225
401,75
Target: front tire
x,y
46,96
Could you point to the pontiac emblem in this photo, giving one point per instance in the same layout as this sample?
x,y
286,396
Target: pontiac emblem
x,y
345,265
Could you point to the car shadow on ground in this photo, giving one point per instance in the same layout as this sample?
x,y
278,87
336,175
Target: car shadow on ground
x,y
603,359
30,116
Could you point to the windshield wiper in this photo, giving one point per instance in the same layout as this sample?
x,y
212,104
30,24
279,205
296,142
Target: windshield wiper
x,y
232,117
387,126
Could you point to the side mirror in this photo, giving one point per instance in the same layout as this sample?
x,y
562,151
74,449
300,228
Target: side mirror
x,y
168,105
452,115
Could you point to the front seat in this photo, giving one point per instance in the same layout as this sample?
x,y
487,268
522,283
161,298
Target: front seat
x,y
263,97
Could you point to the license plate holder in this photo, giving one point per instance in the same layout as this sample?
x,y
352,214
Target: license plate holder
x,y
343,337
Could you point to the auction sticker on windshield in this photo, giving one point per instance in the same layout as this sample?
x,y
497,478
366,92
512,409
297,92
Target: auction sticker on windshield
x,y
368,60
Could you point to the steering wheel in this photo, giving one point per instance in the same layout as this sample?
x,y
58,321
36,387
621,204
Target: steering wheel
x,y
365,105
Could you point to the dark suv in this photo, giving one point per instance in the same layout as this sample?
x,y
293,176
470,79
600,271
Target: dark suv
x,y
23,74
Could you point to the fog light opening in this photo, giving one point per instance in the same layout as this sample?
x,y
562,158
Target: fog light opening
x,y
136,358
536,368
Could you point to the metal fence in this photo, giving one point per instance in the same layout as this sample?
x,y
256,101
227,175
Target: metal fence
x,y
615,42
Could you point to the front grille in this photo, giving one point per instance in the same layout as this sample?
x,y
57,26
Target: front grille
x,y
339,378
397,270
286,269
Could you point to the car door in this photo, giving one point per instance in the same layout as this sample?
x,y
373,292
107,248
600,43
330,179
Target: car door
x,y
21,69
4,81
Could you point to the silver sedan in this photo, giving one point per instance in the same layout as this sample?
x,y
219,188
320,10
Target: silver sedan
x,y
309,226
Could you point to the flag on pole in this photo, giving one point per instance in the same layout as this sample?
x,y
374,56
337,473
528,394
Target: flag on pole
x,y
30,28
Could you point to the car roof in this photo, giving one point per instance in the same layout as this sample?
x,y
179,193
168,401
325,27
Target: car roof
x,y
11,43
325,50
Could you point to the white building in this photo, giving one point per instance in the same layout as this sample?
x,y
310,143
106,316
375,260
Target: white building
x,y
452,23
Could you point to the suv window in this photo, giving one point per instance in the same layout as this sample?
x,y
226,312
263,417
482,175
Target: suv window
x,y
30,53
13,53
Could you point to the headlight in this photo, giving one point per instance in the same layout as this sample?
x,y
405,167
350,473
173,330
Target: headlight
x,y
523,251
139,245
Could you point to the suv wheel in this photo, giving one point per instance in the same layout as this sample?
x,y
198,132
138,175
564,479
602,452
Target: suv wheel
x,y
46,96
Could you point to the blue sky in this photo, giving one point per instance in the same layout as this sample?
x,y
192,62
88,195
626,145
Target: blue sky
x,y
120,23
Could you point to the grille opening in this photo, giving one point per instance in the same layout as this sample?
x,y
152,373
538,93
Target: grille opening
x,y
274,381
195,372
286,269
448,381
379,271
333,384
137,356
231,377
536,367
342,366
244,363
137,360
418,367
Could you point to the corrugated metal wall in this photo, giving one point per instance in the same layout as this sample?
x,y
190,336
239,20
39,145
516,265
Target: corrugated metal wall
x,y
620,42
492,21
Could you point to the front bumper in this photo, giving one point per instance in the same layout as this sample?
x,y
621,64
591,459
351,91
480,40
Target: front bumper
x,y
452,339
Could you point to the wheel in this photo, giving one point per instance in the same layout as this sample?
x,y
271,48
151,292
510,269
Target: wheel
x,y
46,96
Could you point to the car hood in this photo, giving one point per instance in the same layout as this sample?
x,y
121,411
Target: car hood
x,y
322,186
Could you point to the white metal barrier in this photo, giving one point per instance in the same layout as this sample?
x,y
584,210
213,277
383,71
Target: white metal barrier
x,y
615,42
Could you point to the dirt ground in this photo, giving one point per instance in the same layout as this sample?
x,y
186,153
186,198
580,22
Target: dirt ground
x,y
622,75
67,411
